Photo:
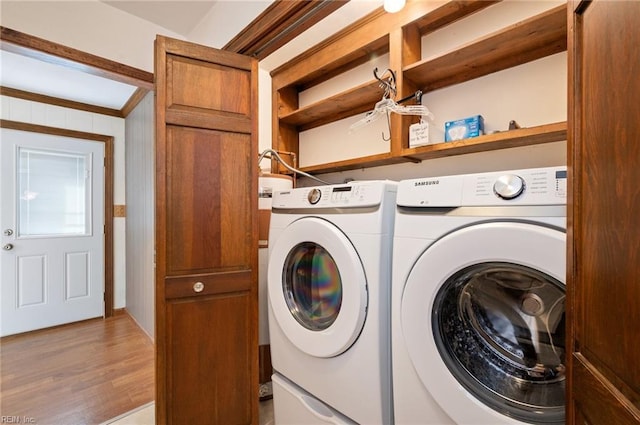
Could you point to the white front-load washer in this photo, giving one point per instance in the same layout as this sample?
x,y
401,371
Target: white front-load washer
x,y
478,298
328,283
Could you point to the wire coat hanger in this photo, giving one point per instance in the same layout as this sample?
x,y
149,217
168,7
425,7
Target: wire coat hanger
x,y
388,105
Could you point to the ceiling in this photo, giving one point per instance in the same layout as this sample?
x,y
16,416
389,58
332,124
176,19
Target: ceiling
x,y
36,76
178,16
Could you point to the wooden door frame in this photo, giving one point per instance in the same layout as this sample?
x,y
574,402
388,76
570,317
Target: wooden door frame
x,y
108,193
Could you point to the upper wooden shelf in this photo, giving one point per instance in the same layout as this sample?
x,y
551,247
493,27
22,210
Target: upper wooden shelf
x,y
366,38
534,38
357,100
525,41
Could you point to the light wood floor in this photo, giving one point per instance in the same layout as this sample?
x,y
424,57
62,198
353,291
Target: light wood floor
x,y
83,373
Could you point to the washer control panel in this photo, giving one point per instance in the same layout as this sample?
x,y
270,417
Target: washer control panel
x,y
351,195
536,186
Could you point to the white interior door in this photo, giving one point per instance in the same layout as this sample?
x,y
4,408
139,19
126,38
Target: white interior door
x,y
52,223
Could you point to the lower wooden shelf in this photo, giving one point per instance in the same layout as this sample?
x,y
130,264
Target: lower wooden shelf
x,y
547,133
356,163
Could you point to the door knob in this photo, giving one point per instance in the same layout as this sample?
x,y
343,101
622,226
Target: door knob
x,y
8,247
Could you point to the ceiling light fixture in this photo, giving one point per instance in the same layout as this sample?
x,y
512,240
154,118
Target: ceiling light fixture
x,y
393,6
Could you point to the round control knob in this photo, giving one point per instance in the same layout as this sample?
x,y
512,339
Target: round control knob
x,y
314,196
509,186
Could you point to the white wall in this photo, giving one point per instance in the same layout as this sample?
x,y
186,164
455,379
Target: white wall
x,y
88,25
264,114
54,116
225,20
140,193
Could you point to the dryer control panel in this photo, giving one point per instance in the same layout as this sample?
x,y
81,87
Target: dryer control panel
x,y
536,186
351,195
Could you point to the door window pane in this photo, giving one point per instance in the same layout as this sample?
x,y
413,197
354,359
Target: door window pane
x,y
53,193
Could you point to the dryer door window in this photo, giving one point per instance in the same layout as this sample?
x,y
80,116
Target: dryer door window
x,y
312,286
500,329
317,287
482,315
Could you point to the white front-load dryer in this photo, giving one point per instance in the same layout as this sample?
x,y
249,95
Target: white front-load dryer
x,y
478,297
328,283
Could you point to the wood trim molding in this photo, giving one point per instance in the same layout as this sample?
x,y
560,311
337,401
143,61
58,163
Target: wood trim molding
x,y
281,22
133,101
108,194
56,101
48,51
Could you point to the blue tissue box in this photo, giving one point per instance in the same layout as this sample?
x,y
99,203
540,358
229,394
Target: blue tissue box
x,y
464,128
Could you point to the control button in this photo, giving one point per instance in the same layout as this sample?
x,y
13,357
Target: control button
x,y
509,186
314,196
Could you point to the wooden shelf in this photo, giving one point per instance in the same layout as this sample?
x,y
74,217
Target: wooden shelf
x,y
531,39
366,38
356,163
547,133
449,13
352,102
400,35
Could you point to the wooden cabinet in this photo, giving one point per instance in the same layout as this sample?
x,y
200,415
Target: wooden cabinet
x,y
206,235
603,289
400,35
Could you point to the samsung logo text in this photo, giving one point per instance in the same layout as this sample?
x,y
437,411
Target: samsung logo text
x,y
426,182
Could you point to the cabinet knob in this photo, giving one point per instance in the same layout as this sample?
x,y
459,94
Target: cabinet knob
x,y
198,287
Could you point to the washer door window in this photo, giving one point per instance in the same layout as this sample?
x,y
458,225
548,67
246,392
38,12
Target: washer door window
x,y
483,314
500,329
312,286
317,287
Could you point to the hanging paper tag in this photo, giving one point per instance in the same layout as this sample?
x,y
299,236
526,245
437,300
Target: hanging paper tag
x,y
419,134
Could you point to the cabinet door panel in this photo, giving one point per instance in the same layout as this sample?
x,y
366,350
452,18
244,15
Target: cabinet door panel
x,y
603,255
208,204
209,344
213,79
